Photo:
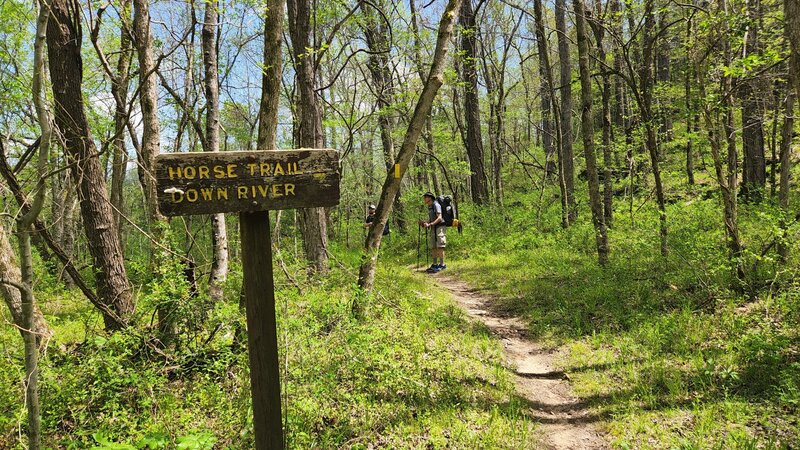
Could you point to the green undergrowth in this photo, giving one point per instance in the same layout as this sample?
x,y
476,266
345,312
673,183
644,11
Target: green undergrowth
x,y
670,352
413,372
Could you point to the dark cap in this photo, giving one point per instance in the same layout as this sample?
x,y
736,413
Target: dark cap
x,y
429,194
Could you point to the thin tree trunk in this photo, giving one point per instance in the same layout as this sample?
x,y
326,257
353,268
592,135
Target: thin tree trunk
x,y
689,110
587,130
366,275
119,90
608,183
64,40
567,199
219,232
313,223
567,156
792,32
648,118
148,97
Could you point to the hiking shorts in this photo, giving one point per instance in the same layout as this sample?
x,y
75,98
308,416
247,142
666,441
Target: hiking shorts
x,y
438,237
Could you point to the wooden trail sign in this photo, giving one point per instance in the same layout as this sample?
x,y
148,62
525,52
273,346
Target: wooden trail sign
x,y
252,183
218,182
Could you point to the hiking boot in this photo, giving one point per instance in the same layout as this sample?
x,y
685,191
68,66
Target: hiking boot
x,y
432,269
442,267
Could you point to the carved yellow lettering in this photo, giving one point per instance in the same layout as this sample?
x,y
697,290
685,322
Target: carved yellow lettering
x,y
219,172
276,190
232,171
206,193
175,172
241,192
279,169
263,190
222,193
189,172
265,169
289,188
191,195
177,197
252,167
202,172
294,169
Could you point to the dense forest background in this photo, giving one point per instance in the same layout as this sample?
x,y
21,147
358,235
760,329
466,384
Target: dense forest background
x,y
623,171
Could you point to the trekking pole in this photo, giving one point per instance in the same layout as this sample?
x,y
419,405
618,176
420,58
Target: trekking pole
x,y
419,232
427,246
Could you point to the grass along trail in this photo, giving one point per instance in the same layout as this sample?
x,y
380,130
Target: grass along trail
x,y
564,421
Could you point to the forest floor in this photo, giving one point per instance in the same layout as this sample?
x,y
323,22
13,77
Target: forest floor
x,y
564,421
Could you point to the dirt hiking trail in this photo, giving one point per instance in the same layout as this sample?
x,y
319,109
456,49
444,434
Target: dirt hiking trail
x,y
564,421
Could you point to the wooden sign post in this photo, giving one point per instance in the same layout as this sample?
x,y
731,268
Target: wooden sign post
x,y
252,183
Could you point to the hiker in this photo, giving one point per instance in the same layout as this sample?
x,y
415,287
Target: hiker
x,y
438,235
371,218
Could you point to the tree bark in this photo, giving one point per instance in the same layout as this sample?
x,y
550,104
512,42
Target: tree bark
x,y
271,79
10,271
646,77
376,35
754,174
148,98
689,109
567,198
119,90
792,32
587,131
567,155
219,232
313,223
64,52
472,110
608,183
366,275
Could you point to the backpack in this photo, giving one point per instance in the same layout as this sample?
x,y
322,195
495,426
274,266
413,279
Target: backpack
x,y
448,209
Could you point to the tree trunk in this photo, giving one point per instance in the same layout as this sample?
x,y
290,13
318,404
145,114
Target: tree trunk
x,y
380,70
587,131
10,271
119,90
689,110
472,110
565,140
219,232
792,32
148,98
608,183
273,73
313,223
567,199
366,275
647,117
64,52
754,174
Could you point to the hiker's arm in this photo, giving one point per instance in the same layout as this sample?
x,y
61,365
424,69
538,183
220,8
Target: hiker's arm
x,y
437,220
